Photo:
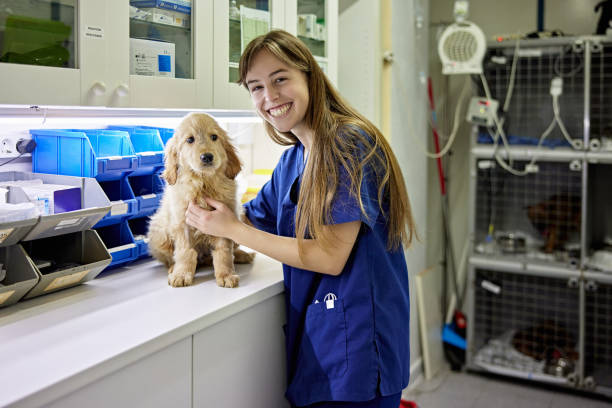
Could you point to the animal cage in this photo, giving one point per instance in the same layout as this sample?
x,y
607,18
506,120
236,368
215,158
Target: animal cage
x,y
536,217
530,107
598,335
600,97
540,275
527,325
598,231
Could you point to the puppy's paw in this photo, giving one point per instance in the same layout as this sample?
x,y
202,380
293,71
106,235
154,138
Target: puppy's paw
x,y
180,279
242,257
228,281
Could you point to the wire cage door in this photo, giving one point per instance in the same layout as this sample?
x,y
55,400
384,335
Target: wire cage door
x,y
536,217
526,325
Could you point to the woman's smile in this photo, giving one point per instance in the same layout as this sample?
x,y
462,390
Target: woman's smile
x,y
280,111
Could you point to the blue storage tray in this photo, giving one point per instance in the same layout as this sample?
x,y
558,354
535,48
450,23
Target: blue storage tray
x,y
148,146
122,199
148,190
101,154
164,133
140,228
119,241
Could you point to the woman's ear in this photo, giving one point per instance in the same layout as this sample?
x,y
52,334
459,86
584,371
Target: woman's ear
x,y
233,165
171,161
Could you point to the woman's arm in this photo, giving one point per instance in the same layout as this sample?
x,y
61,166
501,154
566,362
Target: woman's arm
x,y
222,222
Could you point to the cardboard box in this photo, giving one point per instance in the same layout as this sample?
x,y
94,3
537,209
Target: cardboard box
x,y
183,6
54,198
152,58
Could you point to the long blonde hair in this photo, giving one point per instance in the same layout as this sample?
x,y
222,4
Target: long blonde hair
x,y
337,143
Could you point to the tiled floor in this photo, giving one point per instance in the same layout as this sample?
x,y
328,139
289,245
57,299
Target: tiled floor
x,y
469,390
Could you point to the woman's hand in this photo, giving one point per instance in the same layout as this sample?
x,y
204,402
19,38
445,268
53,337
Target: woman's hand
x,y
220,221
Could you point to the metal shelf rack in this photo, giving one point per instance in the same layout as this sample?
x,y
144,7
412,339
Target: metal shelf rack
x,y
539,286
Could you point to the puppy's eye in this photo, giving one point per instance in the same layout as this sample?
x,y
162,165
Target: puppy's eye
x,y
190,139
213,137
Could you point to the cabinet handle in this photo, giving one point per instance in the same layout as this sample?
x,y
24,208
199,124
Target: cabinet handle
x,y
122,90
98,88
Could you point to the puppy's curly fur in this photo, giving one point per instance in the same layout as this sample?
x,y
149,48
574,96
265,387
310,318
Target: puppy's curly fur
x,y
200,162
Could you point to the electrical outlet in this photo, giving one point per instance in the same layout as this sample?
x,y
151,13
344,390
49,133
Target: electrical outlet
x,y
8,147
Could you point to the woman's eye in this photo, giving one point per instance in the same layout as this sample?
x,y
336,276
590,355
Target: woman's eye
x,y
213,137
281,79
255,88
190,139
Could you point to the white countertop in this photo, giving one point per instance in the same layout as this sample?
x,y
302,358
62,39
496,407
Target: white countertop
x,y
54,344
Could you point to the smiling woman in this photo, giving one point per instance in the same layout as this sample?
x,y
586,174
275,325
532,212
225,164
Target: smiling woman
x,y
279,92
336,214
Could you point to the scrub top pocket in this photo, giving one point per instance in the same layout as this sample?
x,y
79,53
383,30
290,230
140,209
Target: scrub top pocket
x,y
323,352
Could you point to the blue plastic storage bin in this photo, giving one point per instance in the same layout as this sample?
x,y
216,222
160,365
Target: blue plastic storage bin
x,y
139,228
148,146
164,133
123,201
148,190
85,153
120,243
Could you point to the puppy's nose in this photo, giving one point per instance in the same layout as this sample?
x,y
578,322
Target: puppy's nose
x,y
206,158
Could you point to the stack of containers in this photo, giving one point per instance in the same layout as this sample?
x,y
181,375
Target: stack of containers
x,y
121,160
145,182
44,252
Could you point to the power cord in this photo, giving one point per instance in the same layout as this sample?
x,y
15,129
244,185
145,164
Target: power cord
x,y
24,146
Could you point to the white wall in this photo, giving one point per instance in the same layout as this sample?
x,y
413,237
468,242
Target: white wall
x,y
358,52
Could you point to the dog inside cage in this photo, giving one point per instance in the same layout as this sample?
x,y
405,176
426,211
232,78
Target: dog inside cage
x,y
528,323
537,215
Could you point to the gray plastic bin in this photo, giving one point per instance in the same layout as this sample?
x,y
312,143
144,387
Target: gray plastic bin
x,y
94,204
66,260
20,274
13,232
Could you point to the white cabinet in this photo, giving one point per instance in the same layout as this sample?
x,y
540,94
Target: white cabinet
x,y
315,22
159,380
27,35
77,52
240,361
236,22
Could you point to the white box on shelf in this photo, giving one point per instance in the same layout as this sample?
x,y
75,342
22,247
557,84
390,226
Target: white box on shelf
x,y
184,6
168,17
151,58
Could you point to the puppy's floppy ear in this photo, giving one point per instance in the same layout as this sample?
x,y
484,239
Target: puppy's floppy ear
x,y
233,165
171,160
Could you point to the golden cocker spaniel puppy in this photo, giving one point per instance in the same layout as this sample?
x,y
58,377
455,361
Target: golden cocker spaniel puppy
x,y
200,162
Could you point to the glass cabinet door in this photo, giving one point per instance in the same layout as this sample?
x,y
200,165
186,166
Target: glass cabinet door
x,y
38,32
312,28
247,20
161,38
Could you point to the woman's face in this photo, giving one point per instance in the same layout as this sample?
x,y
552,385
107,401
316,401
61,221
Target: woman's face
x,y
279,92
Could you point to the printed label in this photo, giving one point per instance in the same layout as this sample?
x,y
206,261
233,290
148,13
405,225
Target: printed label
x,y
530,52
4,234
118,208
67,223
66,280
4,296
95,33
121,248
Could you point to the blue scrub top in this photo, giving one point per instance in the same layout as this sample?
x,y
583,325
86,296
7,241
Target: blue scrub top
x,y
359,346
